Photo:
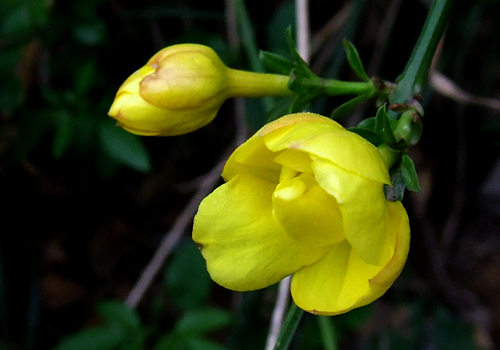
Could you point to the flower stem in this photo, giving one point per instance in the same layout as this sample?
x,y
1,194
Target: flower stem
x,y
414,75
287,332
334,87
250,84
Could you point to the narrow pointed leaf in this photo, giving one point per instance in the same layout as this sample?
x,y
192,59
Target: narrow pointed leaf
x,y
409,174
301,65
354,60
348,106
276,63
383,126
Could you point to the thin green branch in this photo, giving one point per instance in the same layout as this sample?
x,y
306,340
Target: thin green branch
x,y
287,332
328,335
416,71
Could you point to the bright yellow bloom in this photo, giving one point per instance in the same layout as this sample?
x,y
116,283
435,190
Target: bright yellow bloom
x,y
304,196
182,87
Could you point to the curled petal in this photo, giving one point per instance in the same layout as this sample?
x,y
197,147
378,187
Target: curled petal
x,y
342,281
252,158
312,218
244,247
363,208
328,140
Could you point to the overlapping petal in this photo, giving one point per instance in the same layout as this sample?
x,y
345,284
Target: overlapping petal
x,y
363,209
243,245
253,158
342,280
330,141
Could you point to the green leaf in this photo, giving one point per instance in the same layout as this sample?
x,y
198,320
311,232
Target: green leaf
x,y
170,341
372,137
348,106
301,66
383,125
367,129
354,60
123,147
369,123
203,321
200,343
174,341
187,293
409,174
98,338
276,63
119,313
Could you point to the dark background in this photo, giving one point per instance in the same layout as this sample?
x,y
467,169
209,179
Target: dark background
x,y
85,204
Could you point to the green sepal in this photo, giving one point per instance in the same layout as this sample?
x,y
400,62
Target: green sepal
x,y
355,61
383,125
409,174
367,129
403,176
348,106
370,135
276,63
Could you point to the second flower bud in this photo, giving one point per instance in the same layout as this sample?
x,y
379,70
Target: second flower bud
x,y
181,89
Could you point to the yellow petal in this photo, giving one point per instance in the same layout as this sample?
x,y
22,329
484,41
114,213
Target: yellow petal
x,y
363,207
252,158
342,281
138,116
296,160
312,217
398,227
244,247
186,79
330,141
294,119
334,284
131,85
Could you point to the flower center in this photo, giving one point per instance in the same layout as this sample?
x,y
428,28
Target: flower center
x,y
306,211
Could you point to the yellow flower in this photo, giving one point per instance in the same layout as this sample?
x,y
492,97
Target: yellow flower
x,y
182,87
304,196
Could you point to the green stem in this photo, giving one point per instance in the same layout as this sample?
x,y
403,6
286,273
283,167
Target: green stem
x,y
290,324
328,335
416,71
251,84
335,87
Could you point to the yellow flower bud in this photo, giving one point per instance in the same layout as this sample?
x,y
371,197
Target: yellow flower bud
x,y
182,87
304,196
